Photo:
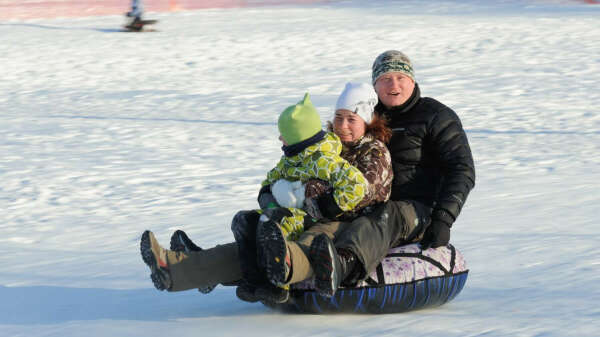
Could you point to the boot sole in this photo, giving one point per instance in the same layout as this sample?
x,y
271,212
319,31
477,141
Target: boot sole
x,y
240,228
322,255
246,293
159,277
272,251
272,294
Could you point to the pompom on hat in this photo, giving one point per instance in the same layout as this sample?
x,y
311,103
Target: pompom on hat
x,y
392,61
299,122
359,98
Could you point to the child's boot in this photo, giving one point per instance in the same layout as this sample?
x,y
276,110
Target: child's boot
x,y
330,268
274,258
243,227
273,253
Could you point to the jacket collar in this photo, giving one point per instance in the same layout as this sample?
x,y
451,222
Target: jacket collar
x,y
292,150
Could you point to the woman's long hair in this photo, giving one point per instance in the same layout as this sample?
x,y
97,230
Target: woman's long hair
x,y
378,128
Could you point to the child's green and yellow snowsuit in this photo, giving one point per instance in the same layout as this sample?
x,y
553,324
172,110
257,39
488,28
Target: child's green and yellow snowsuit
x,y
319,161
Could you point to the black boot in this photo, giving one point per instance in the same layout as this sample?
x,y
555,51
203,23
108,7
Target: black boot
x,y
269,293
272,252
243,227
246,291
265,292
274,259
180,242
330,268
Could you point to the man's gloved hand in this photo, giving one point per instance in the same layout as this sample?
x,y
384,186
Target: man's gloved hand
x,y
436,235
438,232
312,208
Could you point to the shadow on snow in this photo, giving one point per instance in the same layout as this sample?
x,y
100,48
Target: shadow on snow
x,y
51,305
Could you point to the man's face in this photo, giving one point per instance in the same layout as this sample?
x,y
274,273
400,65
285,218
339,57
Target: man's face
x,y
394,89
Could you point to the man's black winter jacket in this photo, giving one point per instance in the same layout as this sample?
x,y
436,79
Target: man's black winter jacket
x,y
431,156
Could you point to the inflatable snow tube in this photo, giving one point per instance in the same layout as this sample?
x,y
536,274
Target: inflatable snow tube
x,y
407,279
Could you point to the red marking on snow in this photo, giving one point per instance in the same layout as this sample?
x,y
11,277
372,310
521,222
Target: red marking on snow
x,y
36,9
592,2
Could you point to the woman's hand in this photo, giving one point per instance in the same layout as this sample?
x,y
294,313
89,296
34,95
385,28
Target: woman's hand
x,y
311,207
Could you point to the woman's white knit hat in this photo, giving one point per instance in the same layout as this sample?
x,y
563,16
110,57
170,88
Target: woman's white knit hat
x,y
359,98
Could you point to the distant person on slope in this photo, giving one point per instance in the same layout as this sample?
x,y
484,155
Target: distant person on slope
x,y
136,12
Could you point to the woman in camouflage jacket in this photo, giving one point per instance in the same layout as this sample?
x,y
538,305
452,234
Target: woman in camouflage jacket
x,y
364,137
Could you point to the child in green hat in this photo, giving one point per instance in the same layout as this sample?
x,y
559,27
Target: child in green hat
x,y
309,153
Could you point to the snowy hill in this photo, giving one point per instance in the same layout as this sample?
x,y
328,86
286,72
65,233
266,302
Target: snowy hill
x,y
106,134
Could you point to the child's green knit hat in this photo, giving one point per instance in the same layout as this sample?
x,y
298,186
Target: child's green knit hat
x,y
299,122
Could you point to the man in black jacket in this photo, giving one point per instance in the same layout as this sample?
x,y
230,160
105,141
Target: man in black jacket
x,y
433,174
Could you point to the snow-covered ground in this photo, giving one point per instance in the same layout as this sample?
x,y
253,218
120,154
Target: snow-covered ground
x,y
105,134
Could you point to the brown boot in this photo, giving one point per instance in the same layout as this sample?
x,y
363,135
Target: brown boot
x,y
155,257
179,270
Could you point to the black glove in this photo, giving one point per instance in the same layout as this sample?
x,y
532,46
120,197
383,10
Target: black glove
x,y
436,235
312,208
328,207
322,206
438,232
266,198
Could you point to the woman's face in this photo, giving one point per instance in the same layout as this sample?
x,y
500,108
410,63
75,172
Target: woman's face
x,y
348,126
394,89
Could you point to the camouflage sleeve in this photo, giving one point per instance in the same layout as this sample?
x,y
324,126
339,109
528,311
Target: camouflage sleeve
x,y
315,188
376,166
